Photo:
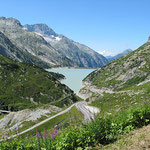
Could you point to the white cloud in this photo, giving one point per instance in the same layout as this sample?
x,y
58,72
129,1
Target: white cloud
x,y
106,53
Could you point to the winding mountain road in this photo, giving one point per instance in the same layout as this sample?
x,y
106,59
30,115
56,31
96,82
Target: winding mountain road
x,y
82,106
87,111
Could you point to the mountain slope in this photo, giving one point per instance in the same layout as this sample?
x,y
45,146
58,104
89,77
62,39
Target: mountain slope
x,y
116,75
110,58
24,86
10,50
136,140
120,84
31,43
81,55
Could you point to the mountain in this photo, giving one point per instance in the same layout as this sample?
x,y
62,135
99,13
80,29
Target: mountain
x,y
10,50
40,45
27,86
79,54
32,44
121,84
110,58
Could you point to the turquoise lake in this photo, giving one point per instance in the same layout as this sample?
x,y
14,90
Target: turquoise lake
x,y
74,77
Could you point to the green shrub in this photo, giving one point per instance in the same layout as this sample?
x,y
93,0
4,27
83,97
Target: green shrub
x,y
99,131
104,130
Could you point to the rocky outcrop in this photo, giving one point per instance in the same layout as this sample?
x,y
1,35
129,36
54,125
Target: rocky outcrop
x,y
90,91
46,48
16,120
8,49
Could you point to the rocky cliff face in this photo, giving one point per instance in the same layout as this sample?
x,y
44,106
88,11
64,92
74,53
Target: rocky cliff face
x,y
10,50
79,54
31,43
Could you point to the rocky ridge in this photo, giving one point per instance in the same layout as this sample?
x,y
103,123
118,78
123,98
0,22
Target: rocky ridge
x,y
31,43
8,49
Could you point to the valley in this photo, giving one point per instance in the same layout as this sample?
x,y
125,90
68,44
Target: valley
x,y
113,98
59,94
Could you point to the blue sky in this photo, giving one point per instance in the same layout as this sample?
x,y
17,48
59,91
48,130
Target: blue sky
x,y
110,25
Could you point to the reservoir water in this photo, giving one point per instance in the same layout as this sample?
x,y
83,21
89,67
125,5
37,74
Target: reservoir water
x,y
74,77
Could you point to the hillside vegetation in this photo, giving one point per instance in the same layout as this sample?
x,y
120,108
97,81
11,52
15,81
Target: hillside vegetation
x,y
124,107
93,135
135,140
124,72
122,83
26,86
120,89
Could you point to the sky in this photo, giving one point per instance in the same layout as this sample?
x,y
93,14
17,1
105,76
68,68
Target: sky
x,y
108,26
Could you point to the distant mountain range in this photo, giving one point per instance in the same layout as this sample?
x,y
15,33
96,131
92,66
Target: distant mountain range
x,y
38,44
110,58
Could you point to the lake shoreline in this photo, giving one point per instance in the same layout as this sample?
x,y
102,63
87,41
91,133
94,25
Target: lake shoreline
x,y
71,68
74,76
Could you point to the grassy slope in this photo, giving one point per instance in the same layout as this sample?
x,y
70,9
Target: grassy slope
x,y
108,76
136,140
24,86
127,93
134,96
94,135
122,76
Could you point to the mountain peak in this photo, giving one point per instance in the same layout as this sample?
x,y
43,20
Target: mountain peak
x,y
11,20
39,46
78,54
40,28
